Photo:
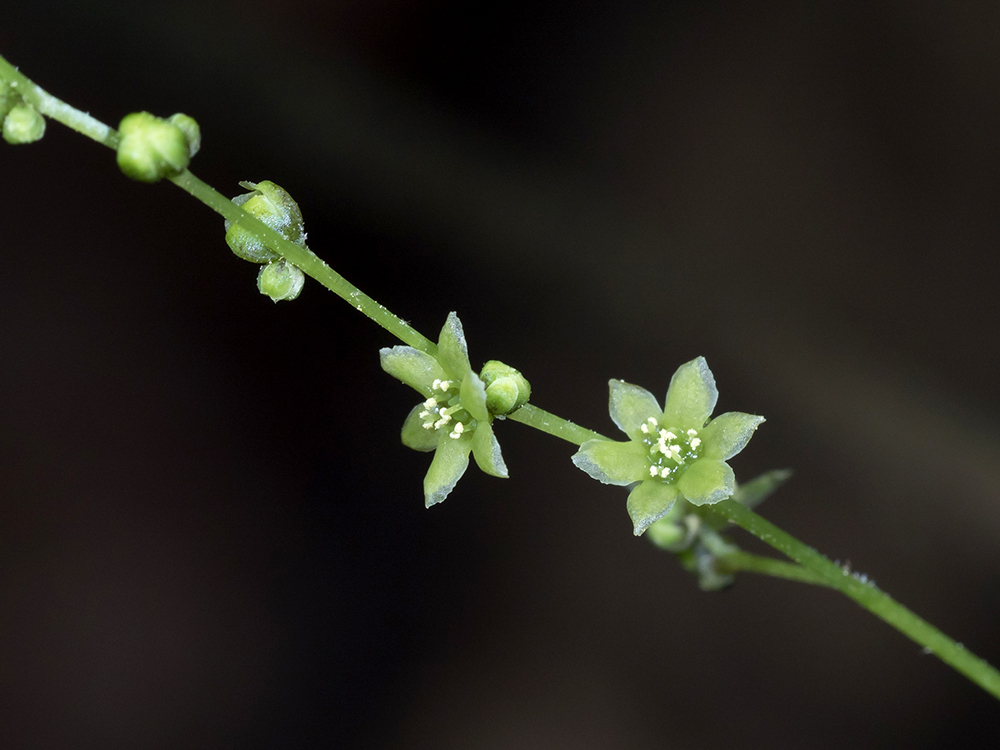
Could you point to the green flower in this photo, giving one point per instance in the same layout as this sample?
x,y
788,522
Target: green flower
x,y
453,421
672,453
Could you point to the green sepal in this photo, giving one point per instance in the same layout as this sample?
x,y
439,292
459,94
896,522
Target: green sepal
x,y
630,406
450,461
415,435
612,462
415,368
272,205
649,502
453,352
192,131
753,493
486,451
728,434
691,396
473,395
707,481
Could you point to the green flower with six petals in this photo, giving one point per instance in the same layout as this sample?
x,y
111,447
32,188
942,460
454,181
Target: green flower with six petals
x,y
453,421
672,453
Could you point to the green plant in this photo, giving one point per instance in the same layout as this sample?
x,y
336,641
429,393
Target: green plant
x,y
684,506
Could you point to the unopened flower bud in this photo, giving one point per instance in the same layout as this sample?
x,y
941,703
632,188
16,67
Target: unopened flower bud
x,y
275,208
507,390
23,124
280,280
151,148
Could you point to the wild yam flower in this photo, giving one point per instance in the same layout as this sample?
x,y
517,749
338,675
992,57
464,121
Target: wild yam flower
x,y
453,421
672,453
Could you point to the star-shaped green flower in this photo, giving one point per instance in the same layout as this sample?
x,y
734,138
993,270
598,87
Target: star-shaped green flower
x,y
672,452
453,421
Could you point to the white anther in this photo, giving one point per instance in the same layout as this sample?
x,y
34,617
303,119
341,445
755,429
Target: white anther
x,y
652,420
692,432
664,472
668,435
653,471
644,427
431,402
424,414
663,448
428,425
444,384
695,442
675,450
459,428
436,384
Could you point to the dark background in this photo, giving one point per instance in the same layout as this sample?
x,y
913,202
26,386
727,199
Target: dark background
x,y
209,534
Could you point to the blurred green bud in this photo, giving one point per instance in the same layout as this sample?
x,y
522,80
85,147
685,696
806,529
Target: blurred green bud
x,y
275,208
7,99
280,280
23,124
507,390
150,148
189,127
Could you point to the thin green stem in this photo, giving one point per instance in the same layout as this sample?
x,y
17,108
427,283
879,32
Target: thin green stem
x,y
553,425
868,595
733,562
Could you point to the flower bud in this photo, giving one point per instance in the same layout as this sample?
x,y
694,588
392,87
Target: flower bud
x,y
150,148
507,390
23,124
275,208
191,130
280,280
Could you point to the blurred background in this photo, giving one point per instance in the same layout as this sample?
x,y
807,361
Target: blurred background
x,y
210,536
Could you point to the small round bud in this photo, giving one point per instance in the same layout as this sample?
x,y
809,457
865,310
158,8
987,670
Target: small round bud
x,y
191,130
23,124
273,206
280,280
507,390
150,148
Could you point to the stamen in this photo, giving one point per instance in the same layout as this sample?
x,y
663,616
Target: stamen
x,y
652,420
436,384
695,442
424,414
669,435
645,428
692,432
653,472
664,472
431,402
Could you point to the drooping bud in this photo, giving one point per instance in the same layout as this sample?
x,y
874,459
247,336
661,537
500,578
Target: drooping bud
x,y
151,148
275,208
23,124
507,390
280,280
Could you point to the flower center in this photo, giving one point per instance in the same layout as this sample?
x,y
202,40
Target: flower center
x,y
670,449
443,410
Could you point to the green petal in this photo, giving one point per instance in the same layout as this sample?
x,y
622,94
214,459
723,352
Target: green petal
x,y
728,434
707,481
630,406
649,502
691,396
453,353
451,459
473,395
415,368
486,451
414,434
611,462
